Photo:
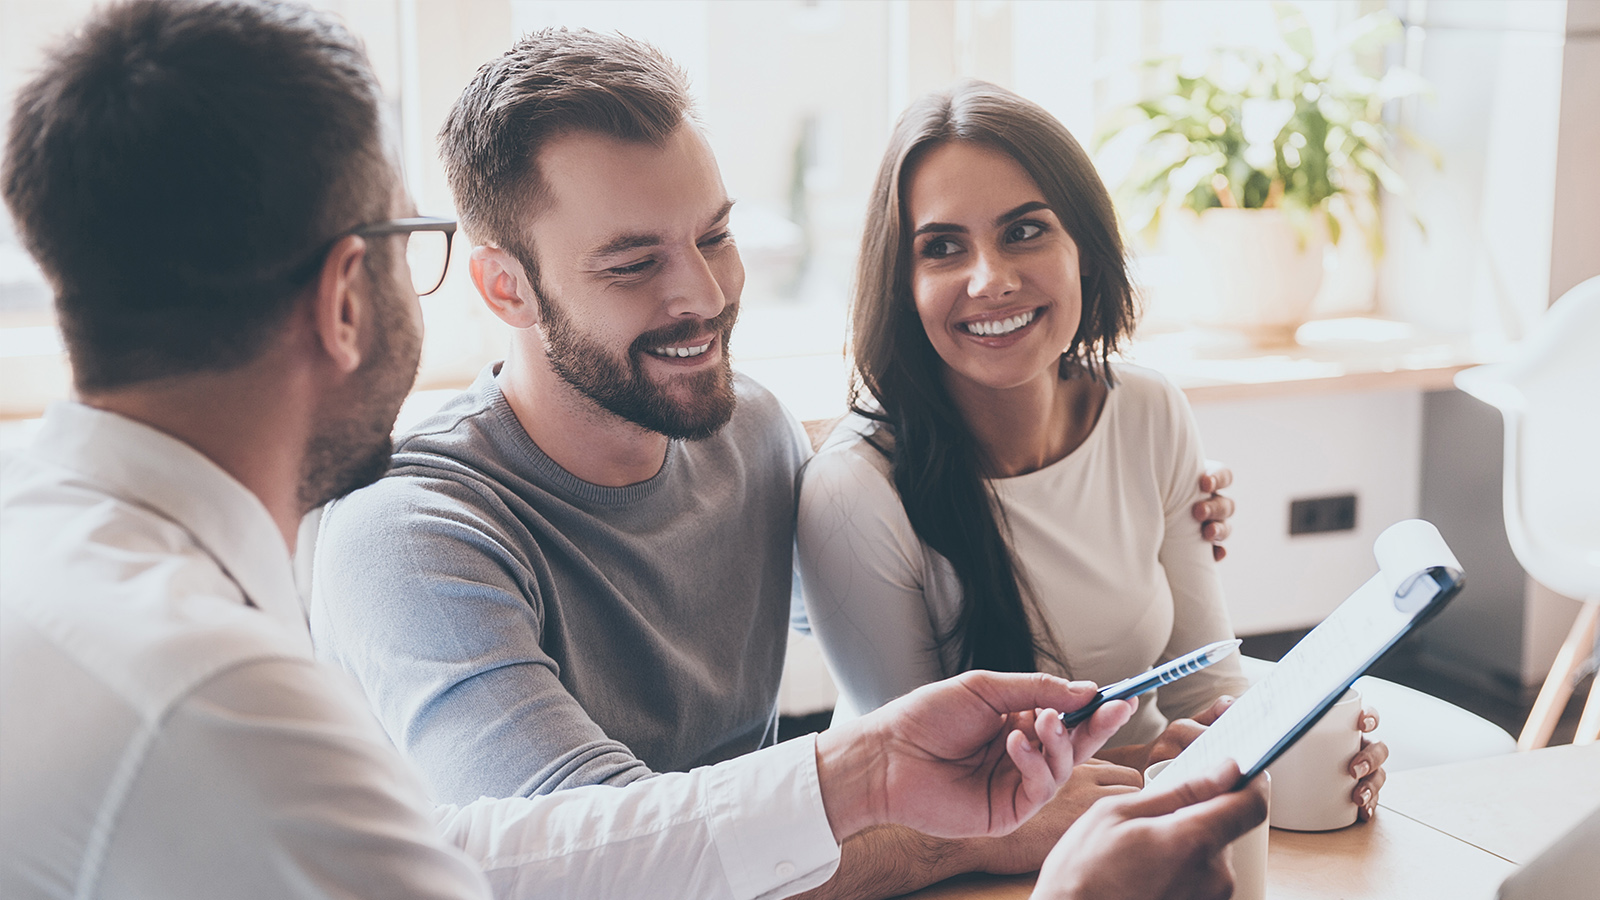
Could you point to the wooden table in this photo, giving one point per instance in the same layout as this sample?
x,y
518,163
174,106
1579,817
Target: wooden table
x,y
1448,832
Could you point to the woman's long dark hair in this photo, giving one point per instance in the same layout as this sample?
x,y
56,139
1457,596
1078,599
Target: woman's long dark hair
x,y
938,466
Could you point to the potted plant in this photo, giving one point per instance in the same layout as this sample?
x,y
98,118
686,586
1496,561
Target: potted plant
x,y
1266,157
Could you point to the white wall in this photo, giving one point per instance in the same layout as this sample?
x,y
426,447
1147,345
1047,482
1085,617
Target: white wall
x,y
1288,448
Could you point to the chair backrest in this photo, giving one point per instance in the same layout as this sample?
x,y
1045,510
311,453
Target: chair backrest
x,y
1549,396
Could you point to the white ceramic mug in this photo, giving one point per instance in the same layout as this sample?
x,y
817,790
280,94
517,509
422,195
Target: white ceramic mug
x,y
1249,851
1311,781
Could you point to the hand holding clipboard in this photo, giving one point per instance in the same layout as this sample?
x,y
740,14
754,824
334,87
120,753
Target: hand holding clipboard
x,y
1417,576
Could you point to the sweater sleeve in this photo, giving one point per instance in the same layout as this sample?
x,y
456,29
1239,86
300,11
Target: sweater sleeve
x,y
1199,614
863,571
420,593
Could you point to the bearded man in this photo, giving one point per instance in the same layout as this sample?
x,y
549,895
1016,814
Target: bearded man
x,y
580,570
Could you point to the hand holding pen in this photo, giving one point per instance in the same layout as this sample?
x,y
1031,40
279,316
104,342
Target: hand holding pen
x,y
1128,688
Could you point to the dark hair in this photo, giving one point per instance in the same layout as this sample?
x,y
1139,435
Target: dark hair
x,y
176,167
937,464
553,82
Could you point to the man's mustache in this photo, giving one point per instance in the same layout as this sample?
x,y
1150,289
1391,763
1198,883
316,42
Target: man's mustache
x,y
678,332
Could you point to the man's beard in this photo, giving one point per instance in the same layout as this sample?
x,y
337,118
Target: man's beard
x,y
620,386
351,446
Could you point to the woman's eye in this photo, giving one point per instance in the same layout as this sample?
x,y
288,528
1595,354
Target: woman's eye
x,y
939,248
1023,231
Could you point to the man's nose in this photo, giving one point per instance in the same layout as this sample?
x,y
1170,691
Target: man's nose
x,y
694,290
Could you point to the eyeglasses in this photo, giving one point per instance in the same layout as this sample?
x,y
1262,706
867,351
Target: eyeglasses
x,y
428,240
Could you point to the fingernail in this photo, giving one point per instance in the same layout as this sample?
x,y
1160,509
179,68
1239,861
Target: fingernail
x,y
1368,723
1362,768
1366,797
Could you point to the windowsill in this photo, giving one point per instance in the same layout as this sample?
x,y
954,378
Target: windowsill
x,y
1333,355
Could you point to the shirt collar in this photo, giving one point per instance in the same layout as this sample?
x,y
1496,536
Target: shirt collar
x,y
141,465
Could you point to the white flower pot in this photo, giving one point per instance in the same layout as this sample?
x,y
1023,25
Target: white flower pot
x,y
1252,270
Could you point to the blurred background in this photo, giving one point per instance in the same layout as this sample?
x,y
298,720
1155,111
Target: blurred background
x,y
1479,119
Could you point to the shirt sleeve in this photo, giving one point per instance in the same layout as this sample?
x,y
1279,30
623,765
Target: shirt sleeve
x,y
861,564
421,595
272,780
1200,615
751,827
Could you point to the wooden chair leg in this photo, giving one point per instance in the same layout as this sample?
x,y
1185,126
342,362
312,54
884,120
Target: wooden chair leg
x,y
1589,724
1557,687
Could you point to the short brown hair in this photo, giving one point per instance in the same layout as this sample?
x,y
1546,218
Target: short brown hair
x,y
552,82
177,168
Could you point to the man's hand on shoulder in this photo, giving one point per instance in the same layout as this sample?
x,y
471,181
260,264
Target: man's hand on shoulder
x,y
1214,511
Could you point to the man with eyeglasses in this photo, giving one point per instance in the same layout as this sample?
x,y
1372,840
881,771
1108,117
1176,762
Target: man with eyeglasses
x,y
204,186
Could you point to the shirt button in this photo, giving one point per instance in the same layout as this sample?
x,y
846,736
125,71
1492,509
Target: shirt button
x,y
784,870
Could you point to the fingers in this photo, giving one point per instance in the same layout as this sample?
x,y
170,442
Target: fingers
x,y
1060,748
1198,790
1213,510
1368,721
1367,766
1108,774
1007,692
1217,708
1038,783
1090,736
1369,759
1226,817
1177,736
1217,477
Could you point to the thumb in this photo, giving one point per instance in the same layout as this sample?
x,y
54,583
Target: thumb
x,y
1216,709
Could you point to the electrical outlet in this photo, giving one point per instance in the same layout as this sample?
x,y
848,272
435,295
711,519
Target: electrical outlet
x,y
1319,514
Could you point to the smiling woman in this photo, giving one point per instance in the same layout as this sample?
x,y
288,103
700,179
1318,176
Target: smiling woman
x,y
995,278
1006,497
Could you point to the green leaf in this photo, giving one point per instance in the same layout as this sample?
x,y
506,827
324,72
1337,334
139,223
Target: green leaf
x,y
1294,28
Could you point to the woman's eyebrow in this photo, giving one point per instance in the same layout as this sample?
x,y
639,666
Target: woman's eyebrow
x,y
1024,209
1003,218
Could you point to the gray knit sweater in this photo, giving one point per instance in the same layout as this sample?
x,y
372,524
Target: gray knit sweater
x,y
519,631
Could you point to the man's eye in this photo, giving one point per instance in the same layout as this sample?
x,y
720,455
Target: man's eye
x,y
633,269
717,240
1023,231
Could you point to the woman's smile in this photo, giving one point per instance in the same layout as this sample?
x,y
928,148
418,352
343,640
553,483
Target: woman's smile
x,y
994,273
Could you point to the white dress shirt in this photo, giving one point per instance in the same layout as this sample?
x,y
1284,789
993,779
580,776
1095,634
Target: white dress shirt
x,y
165,732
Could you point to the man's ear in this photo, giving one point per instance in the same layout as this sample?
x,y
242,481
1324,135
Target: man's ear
x,y
504,286
340,305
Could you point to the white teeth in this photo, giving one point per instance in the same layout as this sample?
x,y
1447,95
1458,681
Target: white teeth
x,y
681,352
1003,326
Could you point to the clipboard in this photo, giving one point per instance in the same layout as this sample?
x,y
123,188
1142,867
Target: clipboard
x,y
1417,576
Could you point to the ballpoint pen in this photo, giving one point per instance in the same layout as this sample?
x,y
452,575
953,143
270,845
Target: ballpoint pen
x,y
1187,664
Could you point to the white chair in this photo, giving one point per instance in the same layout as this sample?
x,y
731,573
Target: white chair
x,y
1549,396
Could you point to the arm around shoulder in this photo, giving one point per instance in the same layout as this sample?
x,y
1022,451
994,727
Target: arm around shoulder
x,y
864,574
